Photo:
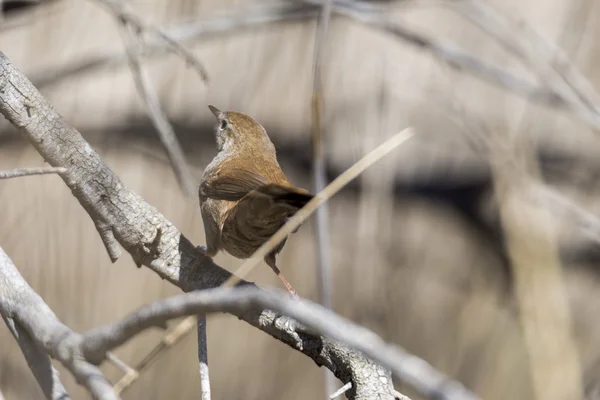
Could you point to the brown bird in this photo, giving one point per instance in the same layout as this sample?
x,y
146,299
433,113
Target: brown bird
x,y
244,195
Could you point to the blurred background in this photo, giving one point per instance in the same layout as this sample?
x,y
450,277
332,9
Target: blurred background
x,y
421,250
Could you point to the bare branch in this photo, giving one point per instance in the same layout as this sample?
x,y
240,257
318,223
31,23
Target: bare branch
x,y
157,113
116,361
341,391
169,340
119,8
17,172
241,300
203,358
318,167
293,223
39,363
34,324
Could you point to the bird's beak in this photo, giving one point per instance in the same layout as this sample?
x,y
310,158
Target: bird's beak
x,y
218,113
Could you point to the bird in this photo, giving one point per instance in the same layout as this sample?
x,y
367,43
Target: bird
x,y
245,197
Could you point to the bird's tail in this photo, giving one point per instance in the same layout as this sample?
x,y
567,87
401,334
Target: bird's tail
x,y
293,197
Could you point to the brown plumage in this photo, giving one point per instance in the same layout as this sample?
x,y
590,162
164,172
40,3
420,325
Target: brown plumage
x,y
244,195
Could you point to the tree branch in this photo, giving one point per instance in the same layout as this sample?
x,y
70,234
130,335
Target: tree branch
x,y
242,300
39,362
39,333
203,358
169,340
319,179
18,172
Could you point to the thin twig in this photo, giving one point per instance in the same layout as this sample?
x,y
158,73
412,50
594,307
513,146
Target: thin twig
x,y
117,362
169,340
18,172
346,177
319,177
341,391
203,358
119,8
156,113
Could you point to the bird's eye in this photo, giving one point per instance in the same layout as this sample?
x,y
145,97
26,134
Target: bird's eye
x,y
223,125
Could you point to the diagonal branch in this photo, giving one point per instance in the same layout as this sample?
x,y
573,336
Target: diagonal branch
x,y
170,339
39,362
241,300
40,333
338,183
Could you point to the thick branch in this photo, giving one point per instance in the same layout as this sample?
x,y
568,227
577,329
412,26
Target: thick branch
x,y
39,333
317,318
152,240
39,362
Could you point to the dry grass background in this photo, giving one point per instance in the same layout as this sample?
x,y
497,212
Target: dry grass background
x,y
406,262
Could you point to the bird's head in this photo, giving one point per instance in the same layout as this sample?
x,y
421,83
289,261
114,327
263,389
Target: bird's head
x,y
238,131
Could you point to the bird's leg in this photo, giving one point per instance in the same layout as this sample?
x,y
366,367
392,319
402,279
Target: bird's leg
x,y
270,260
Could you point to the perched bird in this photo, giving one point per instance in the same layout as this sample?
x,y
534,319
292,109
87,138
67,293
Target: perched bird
x,y
244,195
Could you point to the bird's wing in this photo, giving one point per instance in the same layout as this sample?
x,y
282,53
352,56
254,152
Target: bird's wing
x,y
259,214
231,186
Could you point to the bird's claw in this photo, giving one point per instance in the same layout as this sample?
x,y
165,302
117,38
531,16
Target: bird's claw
x,y
203,250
